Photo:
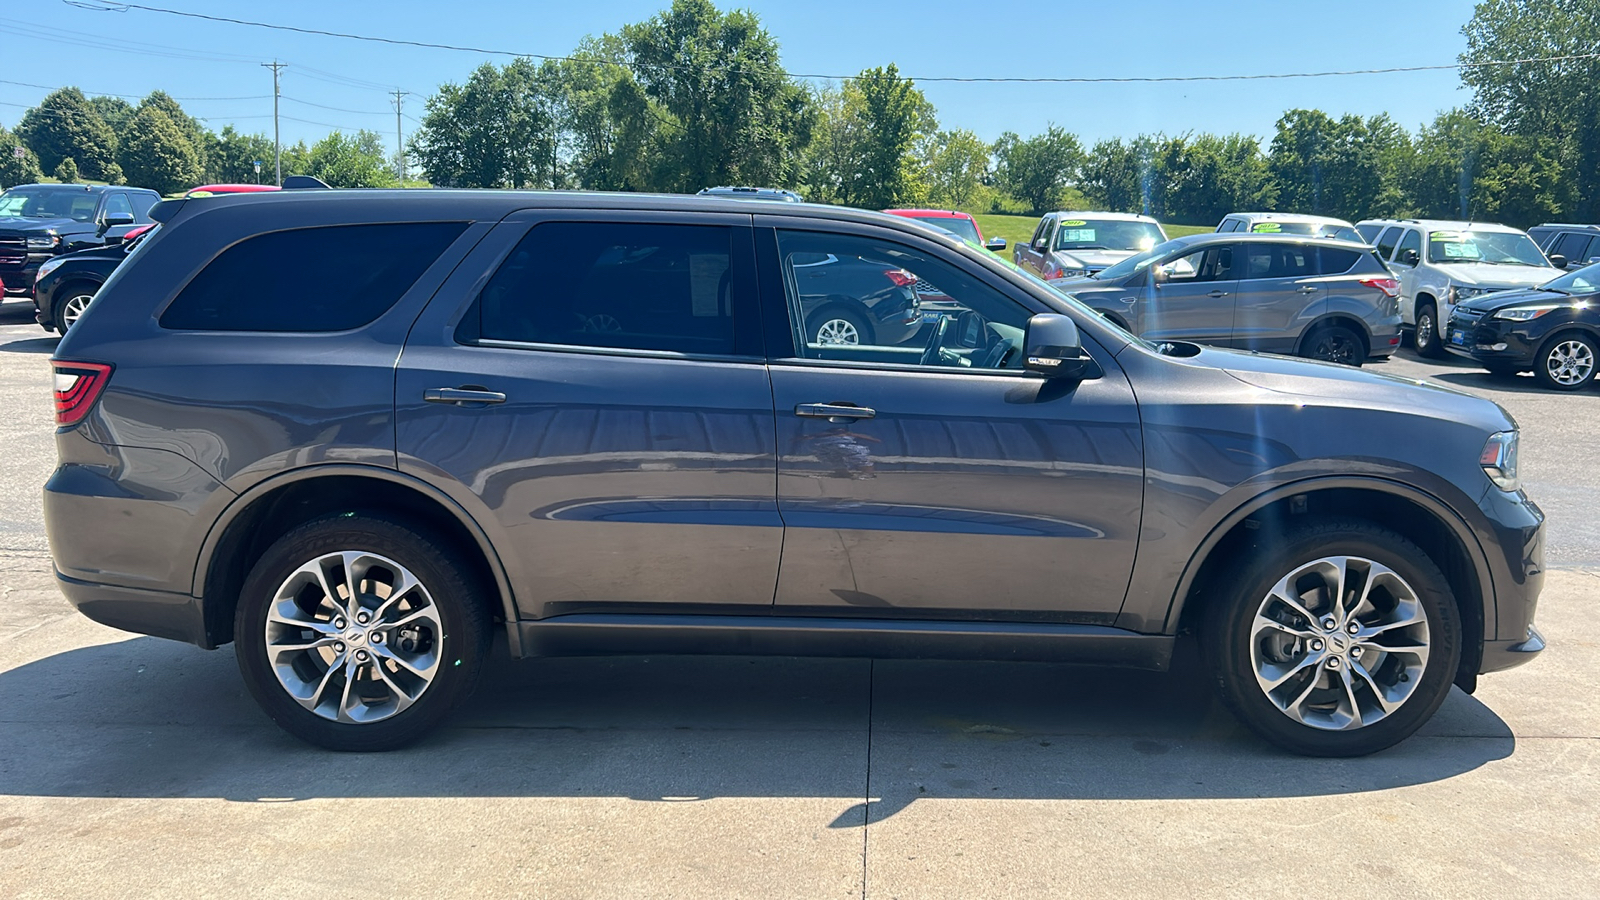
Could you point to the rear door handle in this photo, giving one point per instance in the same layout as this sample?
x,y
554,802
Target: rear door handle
x,y
834,412
1217,294
462,396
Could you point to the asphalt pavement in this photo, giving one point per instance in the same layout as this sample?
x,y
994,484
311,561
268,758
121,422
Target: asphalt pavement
x,y
134,767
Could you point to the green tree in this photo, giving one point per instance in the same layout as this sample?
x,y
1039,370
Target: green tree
x,y
892,119
14,169
232,158
957,163
158,154
1463,168
1039,170
1214,175
608,124
728,112
1554,102
63,125
1343,167
67,172
117,112
355,161
500,129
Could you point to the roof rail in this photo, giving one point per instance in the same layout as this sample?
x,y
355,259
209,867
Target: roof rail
x,y
304,182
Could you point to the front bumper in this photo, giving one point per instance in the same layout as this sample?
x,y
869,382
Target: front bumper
x,y
1499,656
1497,341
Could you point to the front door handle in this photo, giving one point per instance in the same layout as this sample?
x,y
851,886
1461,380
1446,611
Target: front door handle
x,y
462,396
834,412
1217,294
1307,289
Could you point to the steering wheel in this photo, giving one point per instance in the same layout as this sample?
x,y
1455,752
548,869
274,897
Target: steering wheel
x,y
930,354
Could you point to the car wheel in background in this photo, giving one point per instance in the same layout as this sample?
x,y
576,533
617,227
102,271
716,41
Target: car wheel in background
x,y
1334,638
1428,332
68,310
354,632
1335,344
838,325
1567,361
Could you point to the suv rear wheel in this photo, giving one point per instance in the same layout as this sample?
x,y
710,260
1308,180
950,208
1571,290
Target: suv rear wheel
x,y
1337,638
1428,331
1335,344
356,633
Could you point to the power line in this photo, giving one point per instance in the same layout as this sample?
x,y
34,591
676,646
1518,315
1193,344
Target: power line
x,y
46,87
111,6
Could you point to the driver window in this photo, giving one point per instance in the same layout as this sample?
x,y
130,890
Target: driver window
x,y
859,299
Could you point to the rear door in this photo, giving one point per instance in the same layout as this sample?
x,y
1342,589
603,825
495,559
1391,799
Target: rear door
x,y
1279,294
1195,301
592,385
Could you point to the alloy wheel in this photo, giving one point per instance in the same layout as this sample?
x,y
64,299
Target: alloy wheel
x,y
1425,331
353,637
1335,346
1570,362
1339,643
73,309
838,331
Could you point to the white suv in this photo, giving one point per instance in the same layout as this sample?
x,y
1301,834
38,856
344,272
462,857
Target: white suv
x,y
1289,223
1440,264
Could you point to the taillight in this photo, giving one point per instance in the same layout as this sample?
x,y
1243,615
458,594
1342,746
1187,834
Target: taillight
x,y
901,277
78,386
1389,286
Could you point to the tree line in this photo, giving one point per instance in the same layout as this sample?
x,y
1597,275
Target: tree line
x,y
696,97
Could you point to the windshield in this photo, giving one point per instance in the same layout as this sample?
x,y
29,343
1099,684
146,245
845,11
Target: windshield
x,y
1494,247
45,202
1085,234
1317,229
1134,263
962,228
1584,281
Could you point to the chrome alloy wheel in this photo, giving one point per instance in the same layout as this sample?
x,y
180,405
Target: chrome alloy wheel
x,y
1569,362
353,637
1339,643
73,309
838,331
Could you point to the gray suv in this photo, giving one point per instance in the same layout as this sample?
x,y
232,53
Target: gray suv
x,y
1315,297
594,423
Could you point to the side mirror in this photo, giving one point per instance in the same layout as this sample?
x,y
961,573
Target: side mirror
x,y
1409,257
995,245
1039,246
1558,260
115,220
1159,275
1592,260
1054,348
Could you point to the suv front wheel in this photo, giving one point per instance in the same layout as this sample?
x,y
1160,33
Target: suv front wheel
x,y
356,633
1428,343
1337,638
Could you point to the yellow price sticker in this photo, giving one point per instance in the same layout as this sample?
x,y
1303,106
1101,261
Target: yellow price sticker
x,y
1073,223
1266,228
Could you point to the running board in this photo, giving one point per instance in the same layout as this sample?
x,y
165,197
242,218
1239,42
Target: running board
x,y
630,634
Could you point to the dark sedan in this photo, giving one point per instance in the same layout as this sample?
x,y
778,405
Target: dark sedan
x,y
1553,329
67,283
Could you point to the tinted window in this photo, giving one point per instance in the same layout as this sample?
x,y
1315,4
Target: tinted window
x,y
310,279
1277,261
1334,261
1206,264
1038,232
117,205
626,286
1391,236
1368,232
1413,242
141,204
1571,245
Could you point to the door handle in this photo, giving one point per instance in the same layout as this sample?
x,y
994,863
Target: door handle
x,y
1217,294
462,396
834,412
1307,289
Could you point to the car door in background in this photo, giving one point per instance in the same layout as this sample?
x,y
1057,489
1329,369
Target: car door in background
x,y
1033,255
942,481
1190,297
1279,293
1577,246
604,404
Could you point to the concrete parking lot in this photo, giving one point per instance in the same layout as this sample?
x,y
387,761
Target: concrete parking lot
x,y
133,767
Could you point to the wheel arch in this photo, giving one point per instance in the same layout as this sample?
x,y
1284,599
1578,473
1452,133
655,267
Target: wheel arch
x,y
1421,517
256,518
1348,320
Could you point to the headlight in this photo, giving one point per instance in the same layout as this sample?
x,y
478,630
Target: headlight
x,y
1499,460
50,265
1525,313
47,242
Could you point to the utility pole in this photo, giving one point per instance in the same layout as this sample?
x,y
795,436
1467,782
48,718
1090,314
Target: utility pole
x,y
399,142
277,142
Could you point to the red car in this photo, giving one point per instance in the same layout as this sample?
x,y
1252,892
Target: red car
x,y
959,223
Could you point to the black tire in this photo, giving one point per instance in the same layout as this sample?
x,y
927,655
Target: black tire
x,y
1336,344
827,316
66,296
1226,634
1428,343
1581,355
461,645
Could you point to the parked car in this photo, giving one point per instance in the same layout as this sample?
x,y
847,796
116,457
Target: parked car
x,y
64,285
961,224
352,466
1553,329
38,221
1304,296
1577,245
1289,223
1073,244
1442,263
753,193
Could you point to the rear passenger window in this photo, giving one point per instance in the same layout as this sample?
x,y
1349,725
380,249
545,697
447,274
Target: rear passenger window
x,y
1570,245
310,279
624,286
1336,261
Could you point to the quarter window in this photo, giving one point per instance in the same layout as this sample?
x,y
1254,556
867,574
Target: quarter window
x,y
1336,261
614,285
310,279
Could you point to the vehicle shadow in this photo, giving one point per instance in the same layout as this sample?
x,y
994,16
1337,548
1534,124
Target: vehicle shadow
x,y
31,345
1518,384
148,718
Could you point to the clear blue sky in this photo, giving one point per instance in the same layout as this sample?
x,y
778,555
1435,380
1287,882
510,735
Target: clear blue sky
x,y
144,51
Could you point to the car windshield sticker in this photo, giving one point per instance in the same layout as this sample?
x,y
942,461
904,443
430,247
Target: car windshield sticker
x,y
1073,223
1266,228
1456,245
1076,236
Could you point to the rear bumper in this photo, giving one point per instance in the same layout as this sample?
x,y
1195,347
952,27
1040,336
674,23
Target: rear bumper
x,y
157,613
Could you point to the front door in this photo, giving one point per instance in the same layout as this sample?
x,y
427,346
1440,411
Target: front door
x,y
601,402
1190,297
938,480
